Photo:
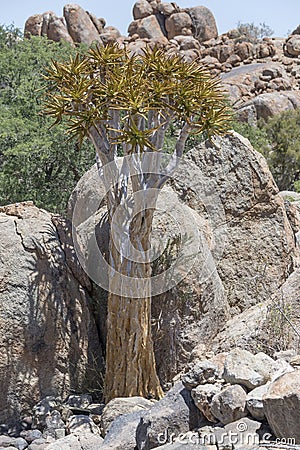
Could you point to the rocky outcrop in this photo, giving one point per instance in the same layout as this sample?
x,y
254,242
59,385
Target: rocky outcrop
x,y
262,76
248,235
48,341
76,26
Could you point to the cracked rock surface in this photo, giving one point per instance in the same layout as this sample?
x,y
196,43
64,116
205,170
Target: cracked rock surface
x,y
48,339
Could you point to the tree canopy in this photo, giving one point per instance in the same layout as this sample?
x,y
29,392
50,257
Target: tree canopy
x,y
33,156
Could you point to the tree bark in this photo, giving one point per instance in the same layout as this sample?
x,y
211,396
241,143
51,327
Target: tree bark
x,y
130,360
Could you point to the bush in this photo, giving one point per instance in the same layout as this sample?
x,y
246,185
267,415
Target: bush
x,y
249,32
279,141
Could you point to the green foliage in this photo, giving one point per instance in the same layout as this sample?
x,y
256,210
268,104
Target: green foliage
x,y
297,186
279,141
283,153
129,98
249,32
36,163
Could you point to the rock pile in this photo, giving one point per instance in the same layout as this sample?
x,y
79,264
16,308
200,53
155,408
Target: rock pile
x,y
230,400
261,76
76,26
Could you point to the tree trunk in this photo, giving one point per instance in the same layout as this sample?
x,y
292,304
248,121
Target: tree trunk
x,y
130,361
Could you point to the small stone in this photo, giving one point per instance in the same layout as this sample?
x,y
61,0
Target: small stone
x,y
31,435
79,401
254,402
202,396
202,372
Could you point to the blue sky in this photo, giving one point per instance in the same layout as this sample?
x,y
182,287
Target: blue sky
x,y
281,15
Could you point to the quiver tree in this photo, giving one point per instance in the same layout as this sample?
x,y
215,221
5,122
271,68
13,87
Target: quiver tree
x,y
125,104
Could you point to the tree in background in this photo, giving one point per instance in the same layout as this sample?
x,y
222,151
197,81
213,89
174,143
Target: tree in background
x,y
278,140
249,32
33,157
123,101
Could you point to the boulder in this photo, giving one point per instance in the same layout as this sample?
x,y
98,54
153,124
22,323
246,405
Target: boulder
x,y
244,50
203,23
229,405
187,42
251,371
272,103
166,8
33,26
257,229
80,26
255,403
203,395
122,432
292,45
178,24
148,27
175,413
57,30
142,9
109,35
120,406
282,406
48,337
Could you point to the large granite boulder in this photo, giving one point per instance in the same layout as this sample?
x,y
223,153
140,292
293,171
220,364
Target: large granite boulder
x,y
48,338
178,24
146,28
259,241
142,9
203,23
80,25
33,25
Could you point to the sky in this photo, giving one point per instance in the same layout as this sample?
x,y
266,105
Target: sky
x,y
282,16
